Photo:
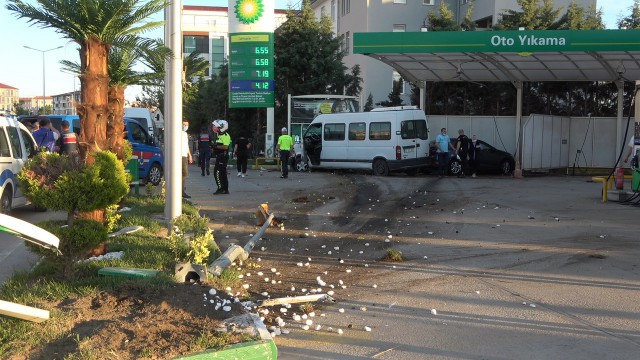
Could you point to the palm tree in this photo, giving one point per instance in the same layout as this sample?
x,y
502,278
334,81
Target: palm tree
x,y
95,25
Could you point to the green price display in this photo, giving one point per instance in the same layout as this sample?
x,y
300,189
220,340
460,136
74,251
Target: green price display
x,y
260,85
261,62
261,73
260,50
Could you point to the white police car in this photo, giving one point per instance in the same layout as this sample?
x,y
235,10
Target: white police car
x,y
16,147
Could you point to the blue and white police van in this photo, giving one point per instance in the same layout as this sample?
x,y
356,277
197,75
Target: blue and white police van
x,y
149,154
16,147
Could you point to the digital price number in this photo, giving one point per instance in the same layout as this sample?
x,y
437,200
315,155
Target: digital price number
x,y
251,70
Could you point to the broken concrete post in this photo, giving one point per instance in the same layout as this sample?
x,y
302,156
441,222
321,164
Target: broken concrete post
x,y
234,251
297,299
252,242
223,261
187,272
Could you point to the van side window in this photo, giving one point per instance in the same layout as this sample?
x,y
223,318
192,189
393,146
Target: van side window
x,y
408,129
334,132
137,134
380,131
357,131
29,145
4,145
422,132
14,141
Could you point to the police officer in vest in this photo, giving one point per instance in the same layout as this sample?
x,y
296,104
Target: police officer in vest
x,y
204,149
67,143
221,151
284,147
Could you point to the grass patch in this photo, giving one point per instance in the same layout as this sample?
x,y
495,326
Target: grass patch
x,y
393,255
43,287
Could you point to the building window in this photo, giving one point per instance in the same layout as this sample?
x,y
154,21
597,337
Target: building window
x,y
399,1
196,44
399,27
333,10
217,54
462,2
346,7
347,42
429,2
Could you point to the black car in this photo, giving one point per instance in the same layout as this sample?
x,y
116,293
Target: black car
x,y
490,160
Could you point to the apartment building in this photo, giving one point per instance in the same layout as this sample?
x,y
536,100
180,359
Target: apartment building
x,y
32,104
351,16
9,96
205,32
65,104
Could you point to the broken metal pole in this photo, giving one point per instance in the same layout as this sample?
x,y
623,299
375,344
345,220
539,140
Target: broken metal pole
x,y
296,299
234,251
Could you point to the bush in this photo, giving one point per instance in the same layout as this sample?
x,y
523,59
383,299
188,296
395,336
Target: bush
x,y
75,243
191,240
60,182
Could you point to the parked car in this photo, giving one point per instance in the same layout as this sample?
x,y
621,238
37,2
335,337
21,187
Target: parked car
x,y
490,160
16,147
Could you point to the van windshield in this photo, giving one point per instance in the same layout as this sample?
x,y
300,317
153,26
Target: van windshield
x,y
313,131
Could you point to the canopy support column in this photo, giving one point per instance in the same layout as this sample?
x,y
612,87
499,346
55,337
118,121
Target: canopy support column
x,y
423,94
619,129
517,173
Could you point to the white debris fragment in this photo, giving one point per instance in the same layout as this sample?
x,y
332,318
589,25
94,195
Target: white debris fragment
x,y
330,292
477,292
341,310
387,240
226,308
430,232
264,293
309,322
532,305
297,317
212,291
245,286
375,286
318,327
366,244
366,328
434,312
274,270
305,327
283,310
425,257
340,331
348,270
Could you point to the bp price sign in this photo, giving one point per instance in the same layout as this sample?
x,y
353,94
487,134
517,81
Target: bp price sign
x,y
251,81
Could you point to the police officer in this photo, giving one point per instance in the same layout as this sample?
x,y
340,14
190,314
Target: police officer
x,y
204,149
285,145
67,143
221,151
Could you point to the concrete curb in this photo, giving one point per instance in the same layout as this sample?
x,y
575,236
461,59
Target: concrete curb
x,y
263,349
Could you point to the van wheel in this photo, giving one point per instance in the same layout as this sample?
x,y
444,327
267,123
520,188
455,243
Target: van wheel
x,y
6,201
380,167
301,165
155,174
455,167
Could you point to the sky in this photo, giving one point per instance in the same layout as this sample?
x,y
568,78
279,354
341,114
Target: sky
x,y
22,68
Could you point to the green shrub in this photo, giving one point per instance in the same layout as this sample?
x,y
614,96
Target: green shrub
x,y
191,239
75,243
66,183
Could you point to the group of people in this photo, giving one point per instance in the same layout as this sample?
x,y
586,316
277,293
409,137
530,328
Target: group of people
x,y
50,139
466,149
214,142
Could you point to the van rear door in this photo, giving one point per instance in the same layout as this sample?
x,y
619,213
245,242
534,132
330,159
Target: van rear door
x,y
413,136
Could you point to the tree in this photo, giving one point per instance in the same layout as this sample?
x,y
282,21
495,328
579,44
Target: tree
x,y
95,25
534,16
394,95
308,58
444,21
353,85
579,18
368,106
631,21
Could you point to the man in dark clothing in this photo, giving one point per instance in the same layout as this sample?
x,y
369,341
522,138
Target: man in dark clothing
x,y
45,137
204,149
462,150
240,151
67,143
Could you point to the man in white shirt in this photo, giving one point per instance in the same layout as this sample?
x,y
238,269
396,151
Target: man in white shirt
x,y
186,158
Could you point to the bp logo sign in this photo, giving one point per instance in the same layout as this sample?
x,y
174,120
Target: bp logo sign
x,y
249,11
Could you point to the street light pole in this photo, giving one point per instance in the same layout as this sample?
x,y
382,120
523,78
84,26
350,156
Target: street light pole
x,y
43,71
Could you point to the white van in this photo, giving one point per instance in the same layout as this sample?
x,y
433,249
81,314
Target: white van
x,y
383,140
143,116
16,147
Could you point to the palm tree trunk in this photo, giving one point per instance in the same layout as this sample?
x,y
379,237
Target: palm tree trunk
x,y
93,110
115,124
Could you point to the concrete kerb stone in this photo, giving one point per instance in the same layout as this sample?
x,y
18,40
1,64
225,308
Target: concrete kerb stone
x,y
263,349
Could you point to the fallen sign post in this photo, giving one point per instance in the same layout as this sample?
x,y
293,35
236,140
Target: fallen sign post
x,y
297,299
236,252
38,236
